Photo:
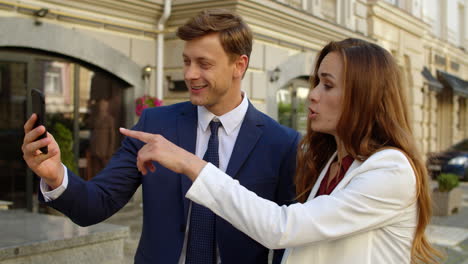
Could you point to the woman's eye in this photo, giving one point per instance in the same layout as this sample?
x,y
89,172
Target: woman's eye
x,y
328,86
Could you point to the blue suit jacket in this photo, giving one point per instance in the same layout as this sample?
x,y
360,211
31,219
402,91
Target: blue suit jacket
x,y
263,160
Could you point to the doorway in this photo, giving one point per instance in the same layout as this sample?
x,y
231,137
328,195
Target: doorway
x,y
292,104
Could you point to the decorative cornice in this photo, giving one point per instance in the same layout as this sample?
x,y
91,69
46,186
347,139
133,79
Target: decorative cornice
x,y
130,16
139,11
397,17
74,44
272,21
444,47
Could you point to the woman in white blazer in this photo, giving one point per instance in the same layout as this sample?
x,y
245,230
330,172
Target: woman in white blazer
x,y
361,184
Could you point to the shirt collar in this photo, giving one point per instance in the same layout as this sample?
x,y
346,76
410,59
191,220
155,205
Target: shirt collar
x,y
230,121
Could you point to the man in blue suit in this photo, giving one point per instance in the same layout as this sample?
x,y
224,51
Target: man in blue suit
x,y
253,148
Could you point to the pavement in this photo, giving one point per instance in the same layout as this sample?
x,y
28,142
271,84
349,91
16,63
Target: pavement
x,y
450,233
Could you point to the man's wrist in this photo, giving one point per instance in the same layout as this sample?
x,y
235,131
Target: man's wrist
x,y
54,184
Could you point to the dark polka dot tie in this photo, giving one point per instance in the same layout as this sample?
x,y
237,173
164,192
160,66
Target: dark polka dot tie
x,y
201,245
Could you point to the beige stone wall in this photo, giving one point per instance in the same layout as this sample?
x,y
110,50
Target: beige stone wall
x,y
127,26
400,33
429,125
284,31
438,118
448,116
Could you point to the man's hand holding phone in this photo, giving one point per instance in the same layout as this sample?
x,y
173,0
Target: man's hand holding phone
x,y
46,165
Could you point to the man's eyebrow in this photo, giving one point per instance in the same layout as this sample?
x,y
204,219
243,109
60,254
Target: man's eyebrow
x,y
199,58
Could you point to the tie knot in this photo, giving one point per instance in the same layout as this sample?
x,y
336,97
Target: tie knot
x,y
214,125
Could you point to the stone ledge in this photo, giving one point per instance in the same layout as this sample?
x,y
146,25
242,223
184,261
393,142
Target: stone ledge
x,y
445,235
5,205
33,237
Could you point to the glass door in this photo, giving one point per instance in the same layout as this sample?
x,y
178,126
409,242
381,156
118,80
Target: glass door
x,y
15,180
292,105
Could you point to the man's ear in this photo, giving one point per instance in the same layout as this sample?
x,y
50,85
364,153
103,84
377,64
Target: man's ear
x,y
241,64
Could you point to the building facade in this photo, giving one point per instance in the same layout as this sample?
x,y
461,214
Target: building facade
x,y
81,53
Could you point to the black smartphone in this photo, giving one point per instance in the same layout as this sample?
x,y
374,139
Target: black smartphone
x,y
38,107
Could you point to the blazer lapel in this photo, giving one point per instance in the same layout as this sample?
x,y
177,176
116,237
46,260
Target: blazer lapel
x,y
314,190
249,134
349,175
187,138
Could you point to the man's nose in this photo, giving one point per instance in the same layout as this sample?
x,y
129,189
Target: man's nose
x,y
191,72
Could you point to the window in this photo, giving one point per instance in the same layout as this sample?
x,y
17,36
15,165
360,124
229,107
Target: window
x,y
53,78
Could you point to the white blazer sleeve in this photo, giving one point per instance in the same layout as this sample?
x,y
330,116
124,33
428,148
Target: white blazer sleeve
x,y
384,185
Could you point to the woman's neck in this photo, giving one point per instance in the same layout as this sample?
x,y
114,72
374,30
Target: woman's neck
x,y
341,150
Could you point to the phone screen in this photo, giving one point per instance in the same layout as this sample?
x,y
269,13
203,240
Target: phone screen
x,y
38,107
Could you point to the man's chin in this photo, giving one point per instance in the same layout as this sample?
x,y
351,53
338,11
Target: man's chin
x,y
197,101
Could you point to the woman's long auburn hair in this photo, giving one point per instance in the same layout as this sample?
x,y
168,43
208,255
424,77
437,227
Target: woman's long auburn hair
x,y
374,116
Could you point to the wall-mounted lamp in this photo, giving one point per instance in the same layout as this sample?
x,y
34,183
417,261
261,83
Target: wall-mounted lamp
x,y
146,71
275,75
40,13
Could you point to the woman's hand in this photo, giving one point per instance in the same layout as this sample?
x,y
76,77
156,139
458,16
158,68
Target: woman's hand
x,y
159,149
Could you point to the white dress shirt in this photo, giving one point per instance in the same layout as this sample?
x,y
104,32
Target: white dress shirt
x,y
227,135
50,195
370,217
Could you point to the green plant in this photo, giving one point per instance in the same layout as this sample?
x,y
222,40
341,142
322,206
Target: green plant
x,y
447,181
64,138
284,114
284,108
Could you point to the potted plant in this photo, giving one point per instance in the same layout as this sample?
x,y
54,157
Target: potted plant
x,y
145,101
447,197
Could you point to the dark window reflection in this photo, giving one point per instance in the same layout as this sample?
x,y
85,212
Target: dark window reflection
x,y
87,122
13,80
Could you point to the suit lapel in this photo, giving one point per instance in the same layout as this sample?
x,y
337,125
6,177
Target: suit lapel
x,y
187,138
249,134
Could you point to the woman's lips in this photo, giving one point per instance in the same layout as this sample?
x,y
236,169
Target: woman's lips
x,y
312,114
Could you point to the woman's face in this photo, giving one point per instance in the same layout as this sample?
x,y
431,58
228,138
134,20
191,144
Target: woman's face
x,y
326,98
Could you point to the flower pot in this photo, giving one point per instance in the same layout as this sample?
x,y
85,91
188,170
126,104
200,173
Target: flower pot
x,y
446,203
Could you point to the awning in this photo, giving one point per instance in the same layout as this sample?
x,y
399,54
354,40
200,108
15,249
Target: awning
x,y
433,83
459,86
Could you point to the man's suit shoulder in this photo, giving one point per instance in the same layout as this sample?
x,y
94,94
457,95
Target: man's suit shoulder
x,y
163,119
272,125
170,109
